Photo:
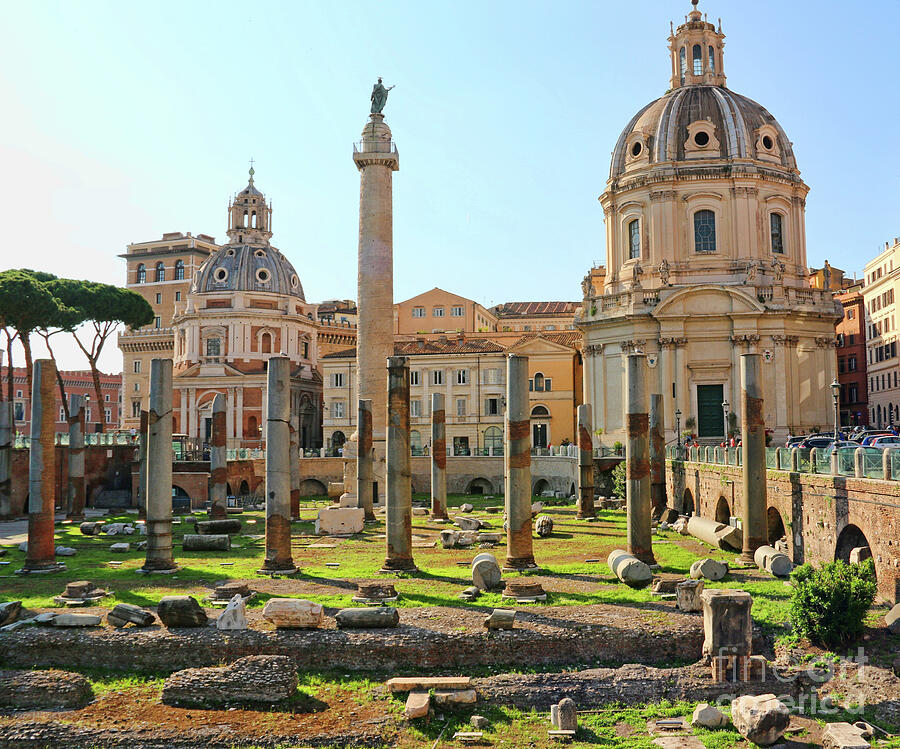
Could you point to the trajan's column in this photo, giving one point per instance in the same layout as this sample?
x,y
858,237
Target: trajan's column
x,y
377,159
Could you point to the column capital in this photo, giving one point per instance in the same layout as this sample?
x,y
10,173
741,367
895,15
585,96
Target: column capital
x,y
634,345
595,349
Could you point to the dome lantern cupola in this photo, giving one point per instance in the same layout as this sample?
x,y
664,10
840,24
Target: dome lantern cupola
x,y
249,217
696,49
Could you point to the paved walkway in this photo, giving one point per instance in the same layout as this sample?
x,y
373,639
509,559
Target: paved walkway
x,y
14,532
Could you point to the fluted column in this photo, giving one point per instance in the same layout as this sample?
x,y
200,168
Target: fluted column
x,y
218,460
41,553
76,491
517,462
438,457
399,469
159,470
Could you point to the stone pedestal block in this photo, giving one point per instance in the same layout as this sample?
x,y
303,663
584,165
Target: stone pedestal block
x,y
727,625
340,521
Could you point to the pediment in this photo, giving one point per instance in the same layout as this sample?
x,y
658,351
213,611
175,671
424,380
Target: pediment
x,y
536,346
708,300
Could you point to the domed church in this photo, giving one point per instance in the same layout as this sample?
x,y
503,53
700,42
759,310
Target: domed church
x,y
245,305
706,259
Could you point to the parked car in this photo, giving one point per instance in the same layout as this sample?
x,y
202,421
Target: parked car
x,y
884,441
867,440
825,443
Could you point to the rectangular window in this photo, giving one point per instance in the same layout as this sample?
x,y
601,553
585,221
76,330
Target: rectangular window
x,y
852,338
418,312
135,409
159,298
850,313
62,414
437,377
415,408
460,406
87,414
437,312
456,312
337,380
548,384
775,230
704,231
634,239
337,409
492,376
306,349
213,347
841,366
157,322
851,364
492,407
106,397
107,414
462,376
18,393
177,296
414,377
137,366
137,387
854,394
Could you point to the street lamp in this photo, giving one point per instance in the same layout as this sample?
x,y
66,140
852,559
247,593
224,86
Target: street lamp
x,y
836,394
678,427
725,405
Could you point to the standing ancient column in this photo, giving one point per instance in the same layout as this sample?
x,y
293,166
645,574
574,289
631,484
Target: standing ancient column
x,y
585,464
637,459
438,457
159,470
657,454
364,476
218,461
517,462
6,433
295,462
41,554
278,469
377,160
753,451
142,465
76,492
399,469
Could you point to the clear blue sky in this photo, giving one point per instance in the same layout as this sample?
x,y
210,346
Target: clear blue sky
x,y
126,120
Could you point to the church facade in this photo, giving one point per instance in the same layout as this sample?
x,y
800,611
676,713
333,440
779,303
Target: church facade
x,y
706,259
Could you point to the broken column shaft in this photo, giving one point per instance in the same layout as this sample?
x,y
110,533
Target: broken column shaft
x,y
637,459
438,457
218,461
753,449
6,434
657,455
41,553
585,463
76,491
159,470
294,424
142,466
278,470
399,468
365,476
517,463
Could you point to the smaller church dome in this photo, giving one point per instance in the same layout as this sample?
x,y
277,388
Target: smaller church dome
x,y
244,267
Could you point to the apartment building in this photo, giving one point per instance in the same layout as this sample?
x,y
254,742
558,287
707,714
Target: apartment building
x,y
882,278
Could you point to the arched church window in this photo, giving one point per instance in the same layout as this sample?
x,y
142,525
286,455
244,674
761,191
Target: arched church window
x,y
704,231
246,220
142,273
160,272
179,270
712,59
265,343
697,54
539,382
634,239
776,233
682,62
253,219
213,347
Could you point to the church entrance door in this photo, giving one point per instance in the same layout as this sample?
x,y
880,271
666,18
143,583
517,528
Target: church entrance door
x,y
710,417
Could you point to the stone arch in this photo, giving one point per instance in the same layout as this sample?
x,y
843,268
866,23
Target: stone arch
x,y
851,537
228,491
181,500
479,486
775,523
244,489
572,489
723,511
541,485
687,502
312,488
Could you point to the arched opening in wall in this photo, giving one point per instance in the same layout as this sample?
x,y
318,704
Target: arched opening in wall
x,y
228,492
415,442
687,502
723,512
253,220
181,500
572,490
849,539
312,488
252,432
775,525
265,343
338,439
541,486
244,489
479,486
493,439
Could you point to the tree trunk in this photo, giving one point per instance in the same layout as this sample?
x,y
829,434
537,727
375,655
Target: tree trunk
x,y
26,344
95,375
59,379
9,366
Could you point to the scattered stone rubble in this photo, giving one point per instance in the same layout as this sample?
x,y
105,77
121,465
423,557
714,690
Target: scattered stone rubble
x,y
255,679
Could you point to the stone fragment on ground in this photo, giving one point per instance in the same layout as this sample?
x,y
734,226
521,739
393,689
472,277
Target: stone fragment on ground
x,y
687,595
710,569
340,521
9,612
227,526
762,719
90,528
708,716
486,573
470,593
417,705
65,551
458,539
892,620
426,683
543,526
120,547
466,507
567,715
255,679
234,617
629,569
369,618
126,613
180,611
197,542
44,690
479,722
467,524
76,620
500,619
293,613
455,696
844,736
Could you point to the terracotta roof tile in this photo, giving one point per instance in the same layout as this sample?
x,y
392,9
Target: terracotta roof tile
x,y
535,308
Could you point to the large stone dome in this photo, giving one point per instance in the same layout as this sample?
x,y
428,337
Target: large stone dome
x,y
245,267
730,126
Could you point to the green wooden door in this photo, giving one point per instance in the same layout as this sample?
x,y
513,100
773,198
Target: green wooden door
x,y
710,417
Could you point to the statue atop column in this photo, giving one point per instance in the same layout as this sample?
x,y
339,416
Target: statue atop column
x,y
379,97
